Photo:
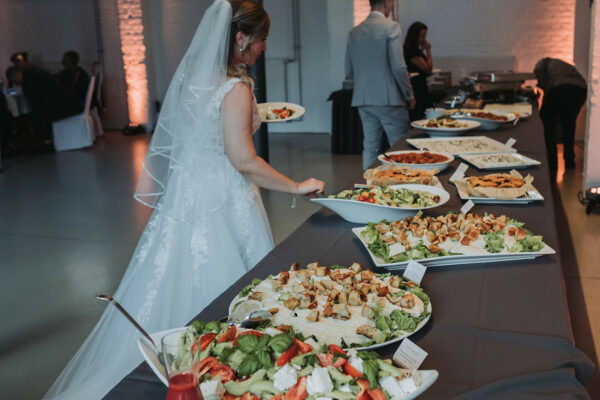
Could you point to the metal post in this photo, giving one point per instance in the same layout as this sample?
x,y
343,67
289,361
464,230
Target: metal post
x,y
261,138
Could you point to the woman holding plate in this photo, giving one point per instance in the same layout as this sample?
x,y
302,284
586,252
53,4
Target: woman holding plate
x,y
201,175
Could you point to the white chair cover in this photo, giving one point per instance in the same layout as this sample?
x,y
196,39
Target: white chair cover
x,y
76,132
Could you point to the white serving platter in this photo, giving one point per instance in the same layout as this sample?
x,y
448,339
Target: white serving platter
x,y
263,108
439,166
151,356
520,161
360,212
462,259
462,145
489,124
529,197
443,131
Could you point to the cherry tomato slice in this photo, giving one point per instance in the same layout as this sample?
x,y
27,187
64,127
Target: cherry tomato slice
x,y
298,391
206,364
325,359
304,347
376,394
336,349
229,335
339,362
364,389
205,340
224,371
287,355
249,396
255,333
229,396
371,200
350,370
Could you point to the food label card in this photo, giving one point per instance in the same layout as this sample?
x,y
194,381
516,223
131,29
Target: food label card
x,y
409,355
511,142
467,207
414,271
460,172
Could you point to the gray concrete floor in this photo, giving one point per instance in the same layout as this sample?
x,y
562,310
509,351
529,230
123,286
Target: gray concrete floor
x,y
69,224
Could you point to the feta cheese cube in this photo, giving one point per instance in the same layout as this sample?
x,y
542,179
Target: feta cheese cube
x,y
392,387
396,248
346,388
272,331
357,363
408,385
212,390
312,343
319,381
285,378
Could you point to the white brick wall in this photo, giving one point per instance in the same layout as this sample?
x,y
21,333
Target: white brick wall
x,y
527,29
592,161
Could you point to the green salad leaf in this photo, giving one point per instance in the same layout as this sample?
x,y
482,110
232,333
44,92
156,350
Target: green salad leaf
x,y
494,242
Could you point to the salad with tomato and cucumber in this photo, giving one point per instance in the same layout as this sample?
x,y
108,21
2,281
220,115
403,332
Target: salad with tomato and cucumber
x,y
386,196
234,363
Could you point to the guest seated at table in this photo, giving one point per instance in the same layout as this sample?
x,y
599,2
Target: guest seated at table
x,y
565,92
73,77
49,101
417,54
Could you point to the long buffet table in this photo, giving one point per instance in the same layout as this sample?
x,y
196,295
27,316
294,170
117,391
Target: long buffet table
x,y
497,331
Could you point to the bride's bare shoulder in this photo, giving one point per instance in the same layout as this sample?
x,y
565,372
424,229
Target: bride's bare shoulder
x,y
239,95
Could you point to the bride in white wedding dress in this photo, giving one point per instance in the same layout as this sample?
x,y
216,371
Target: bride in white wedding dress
x,y
201,174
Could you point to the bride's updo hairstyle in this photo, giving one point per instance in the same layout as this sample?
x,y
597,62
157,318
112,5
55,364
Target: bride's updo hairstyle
x,y
251,19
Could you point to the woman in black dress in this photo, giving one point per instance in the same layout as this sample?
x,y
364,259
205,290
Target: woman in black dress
x,y
417,54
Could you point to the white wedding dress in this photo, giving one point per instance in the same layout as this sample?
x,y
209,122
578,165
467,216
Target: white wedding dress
x,y
209,225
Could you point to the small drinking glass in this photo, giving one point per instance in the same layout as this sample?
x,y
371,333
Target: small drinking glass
x,y
179,362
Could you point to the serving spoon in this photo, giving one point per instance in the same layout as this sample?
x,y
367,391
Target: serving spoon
x,y
129,317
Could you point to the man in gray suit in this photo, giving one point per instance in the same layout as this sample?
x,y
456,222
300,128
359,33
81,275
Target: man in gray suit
x,y
382,89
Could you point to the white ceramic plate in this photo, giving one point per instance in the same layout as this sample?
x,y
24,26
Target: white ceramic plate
x,y
435,132
462,145
374,346
440,166
529,197
151,356
488,124
360,212
263,108
490,162
462,259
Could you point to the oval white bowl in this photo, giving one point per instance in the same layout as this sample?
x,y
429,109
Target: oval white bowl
x,y
360,212
440,166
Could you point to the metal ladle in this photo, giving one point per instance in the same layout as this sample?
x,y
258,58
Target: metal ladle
x,y
255,318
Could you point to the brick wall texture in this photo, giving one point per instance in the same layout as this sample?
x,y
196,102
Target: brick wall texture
x,y
527,29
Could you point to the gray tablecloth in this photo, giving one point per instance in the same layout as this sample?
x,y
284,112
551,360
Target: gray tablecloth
x,y
498,331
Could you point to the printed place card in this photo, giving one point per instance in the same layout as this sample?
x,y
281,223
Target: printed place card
x,y
460,172
467,207
414,271
409,355
511,142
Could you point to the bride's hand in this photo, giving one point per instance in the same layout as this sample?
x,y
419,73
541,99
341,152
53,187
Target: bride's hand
x,y
311,187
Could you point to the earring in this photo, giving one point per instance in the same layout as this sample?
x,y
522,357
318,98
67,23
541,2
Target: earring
x,y
241,49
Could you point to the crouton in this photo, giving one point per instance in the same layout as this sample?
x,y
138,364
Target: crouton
x,y
366,330
313,316
354,299
367,312
292,303
256,296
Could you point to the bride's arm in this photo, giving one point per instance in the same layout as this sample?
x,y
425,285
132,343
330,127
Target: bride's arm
x,y
239,146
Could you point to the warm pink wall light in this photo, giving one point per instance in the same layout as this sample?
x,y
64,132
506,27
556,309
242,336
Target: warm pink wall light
x,y
134,59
